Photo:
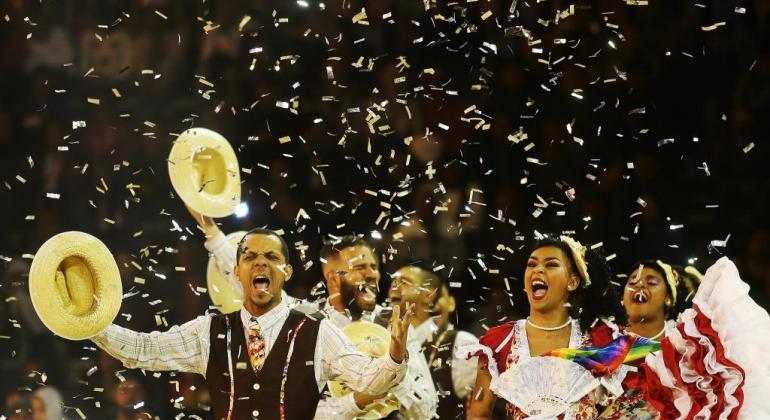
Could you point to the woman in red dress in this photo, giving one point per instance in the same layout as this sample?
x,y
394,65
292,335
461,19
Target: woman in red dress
x,y
571,298
653,297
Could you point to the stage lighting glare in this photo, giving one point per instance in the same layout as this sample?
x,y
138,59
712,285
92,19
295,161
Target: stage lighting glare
x,y
242,210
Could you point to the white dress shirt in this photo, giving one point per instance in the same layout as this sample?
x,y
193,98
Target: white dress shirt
x,y
416,393
186,348
463,370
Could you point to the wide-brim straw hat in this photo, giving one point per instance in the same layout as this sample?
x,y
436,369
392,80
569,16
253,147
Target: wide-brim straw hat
x,y
75,286
224,296
372,340
204,172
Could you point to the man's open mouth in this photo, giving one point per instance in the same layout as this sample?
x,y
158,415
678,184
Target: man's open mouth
x,y
260,282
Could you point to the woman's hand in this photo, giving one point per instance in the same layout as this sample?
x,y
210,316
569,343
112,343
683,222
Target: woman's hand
x,y
482,399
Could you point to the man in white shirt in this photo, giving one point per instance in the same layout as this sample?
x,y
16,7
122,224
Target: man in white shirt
x,y
352,275
453,375
266,360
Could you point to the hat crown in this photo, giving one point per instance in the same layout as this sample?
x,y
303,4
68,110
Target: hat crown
x,y
210,171
204,172
76,286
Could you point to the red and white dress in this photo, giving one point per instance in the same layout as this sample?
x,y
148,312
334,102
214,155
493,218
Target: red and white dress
x,y
633,404
716,364
519,377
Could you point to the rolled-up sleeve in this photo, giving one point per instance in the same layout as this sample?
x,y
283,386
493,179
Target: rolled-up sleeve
x,y
224,256
337,360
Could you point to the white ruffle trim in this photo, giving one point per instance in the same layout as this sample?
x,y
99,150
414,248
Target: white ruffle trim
x,y
744,331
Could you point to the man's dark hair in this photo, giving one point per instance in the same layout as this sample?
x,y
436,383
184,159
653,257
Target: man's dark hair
x,y
332,248
429,279
262,231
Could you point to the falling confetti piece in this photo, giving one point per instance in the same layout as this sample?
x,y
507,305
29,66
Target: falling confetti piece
x,y
712,27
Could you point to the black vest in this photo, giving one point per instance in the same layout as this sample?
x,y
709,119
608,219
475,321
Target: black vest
x,y
259,396
438,353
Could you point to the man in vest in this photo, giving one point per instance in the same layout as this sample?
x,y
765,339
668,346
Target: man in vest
x,y
453,375
265,361
352,274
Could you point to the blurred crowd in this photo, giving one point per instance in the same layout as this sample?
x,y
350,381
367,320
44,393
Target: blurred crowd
x,y
631,126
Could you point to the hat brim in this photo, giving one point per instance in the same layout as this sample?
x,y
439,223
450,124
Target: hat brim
x,y
372,340
47,300
184,177
225,297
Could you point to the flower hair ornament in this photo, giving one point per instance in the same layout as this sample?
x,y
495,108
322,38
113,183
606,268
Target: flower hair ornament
x,y
579,256
672,278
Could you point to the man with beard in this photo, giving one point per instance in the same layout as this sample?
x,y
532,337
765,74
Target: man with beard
x,y
351,273
351,270
452,374
266,360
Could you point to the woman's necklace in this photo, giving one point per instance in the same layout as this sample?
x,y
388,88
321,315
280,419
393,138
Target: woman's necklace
x,y
539,327
660,334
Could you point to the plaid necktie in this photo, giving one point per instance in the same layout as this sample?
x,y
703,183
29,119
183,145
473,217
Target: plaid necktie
x,y
256,346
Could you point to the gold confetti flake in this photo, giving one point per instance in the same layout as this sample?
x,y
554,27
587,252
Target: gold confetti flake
x,y
244,20
360,17
713,27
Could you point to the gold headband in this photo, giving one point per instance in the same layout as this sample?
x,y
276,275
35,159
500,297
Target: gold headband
x,y
671,278
694,272
579,255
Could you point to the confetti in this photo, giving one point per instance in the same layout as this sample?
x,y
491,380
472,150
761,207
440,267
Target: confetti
x,y
713,27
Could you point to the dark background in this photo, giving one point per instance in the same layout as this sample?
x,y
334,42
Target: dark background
x,y
641,112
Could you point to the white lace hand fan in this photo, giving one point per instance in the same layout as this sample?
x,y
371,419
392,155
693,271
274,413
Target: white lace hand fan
x,y
544,387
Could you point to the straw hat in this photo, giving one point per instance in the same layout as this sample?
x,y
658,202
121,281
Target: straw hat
x,y
222,293
74,284
204,172
372,340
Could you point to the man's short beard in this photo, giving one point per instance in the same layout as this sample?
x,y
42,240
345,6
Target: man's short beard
x,y
348,293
